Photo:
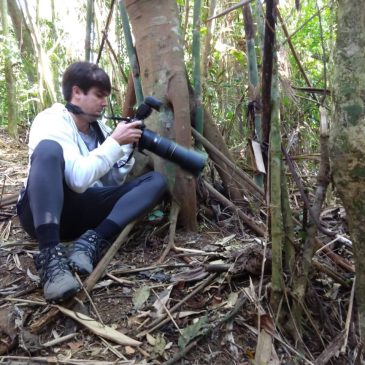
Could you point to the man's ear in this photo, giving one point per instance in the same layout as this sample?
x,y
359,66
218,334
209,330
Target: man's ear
x,y
76,92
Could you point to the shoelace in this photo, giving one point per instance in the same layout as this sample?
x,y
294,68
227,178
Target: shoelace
x,y
92,245
89,247
54,262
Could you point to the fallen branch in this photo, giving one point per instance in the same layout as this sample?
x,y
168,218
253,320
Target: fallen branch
x,y
336,258
331,273
304,196
37,360
251,185
8,200
261,231
331,350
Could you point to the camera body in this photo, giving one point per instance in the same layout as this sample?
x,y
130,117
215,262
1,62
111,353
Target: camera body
x,y
188,159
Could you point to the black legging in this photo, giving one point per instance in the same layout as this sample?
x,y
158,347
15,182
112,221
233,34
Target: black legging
x,y
47,198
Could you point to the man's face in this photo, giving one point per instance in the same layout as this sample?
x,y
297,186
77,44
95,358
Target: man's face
x,y
93,102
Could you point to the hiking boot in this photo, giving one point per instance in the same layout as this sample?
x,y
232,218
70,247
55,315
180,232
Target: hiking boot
x,y
86,251
58,281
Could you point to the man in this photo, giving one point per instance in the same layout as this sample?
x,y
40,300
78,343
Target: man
x,y
75,186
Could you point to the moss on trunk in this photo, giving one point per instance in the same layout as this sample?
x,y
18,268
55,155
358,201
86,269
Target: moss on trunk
x,y
347,142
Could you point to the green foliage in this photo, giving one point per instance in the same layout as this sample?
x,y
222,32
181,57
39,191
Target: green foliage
x,y
26,94
225,86
192,331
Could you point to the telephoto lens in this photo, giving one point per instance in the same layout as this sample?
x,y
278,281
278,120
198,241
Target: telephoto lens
x,y
187,159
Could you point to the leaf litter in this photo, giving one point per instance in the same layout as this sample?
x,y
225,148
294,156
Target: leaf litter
x,y
203,305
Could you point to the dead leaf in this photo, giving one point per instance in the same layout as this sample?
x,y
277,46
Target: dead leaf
x,y
224,240
267,323
150,339
130,350
8,332
75,346
184,314
192,275
161,302
265,352
99,329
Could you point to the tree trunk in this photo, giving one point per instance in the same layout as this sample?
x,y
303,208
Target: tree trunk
x,y
45,77
24,39
253,77
267,63
159,47
276,218
208,39
9,76
89,25
198,115
347,138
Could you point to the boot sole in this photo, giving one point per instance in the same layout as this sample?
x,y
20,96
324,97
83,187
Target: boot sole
x,y
66,296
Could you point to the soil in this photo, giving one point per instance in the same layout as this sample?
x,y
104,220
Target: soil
x,y
218,258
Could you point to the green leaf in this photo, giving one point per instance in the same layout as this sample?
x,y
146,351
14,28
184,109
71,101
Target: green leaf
x,y
192,331
156,214
140,296
160,345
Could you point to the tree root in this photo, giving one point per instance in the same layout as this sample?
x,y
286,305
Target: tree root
x,y
174,213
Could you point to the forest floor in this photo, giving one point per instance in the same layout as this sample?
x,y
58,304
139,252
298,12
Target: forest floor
x,y
201,305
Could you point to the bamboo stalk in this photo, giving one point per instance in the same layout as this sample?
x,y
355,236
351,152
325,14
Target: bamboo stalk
x,y
275,168
199,116
253,77
131,52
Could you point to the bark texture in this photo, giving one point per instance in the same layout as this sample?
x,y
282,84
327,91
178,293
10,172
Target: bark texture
x,y
24,40
9,74
347,139
156,27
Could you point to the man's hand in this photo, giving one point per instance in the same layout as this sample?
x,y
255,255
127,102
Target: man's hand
x,y
126,133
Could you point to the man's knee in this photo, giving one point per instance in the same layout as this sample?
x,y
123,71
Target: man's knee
x,y
48,150
160,181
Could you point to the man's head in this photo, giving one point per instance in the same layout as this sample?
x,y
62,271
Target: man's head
x,y
87,86
84,75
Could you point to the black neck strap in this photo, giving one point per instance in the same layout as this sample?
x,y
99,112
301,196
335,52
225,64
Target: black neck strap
x,y
74,109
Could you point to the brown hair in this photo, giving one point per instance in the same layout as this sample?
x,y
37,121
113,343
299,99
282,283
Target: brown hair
x,y
85,75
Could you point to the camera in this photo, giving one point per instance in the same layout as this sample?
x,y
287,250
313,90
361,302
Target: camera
x,y
188,159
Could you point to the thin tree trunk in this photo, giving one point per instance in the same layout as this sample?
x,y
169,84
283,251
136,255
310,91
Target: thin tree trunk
x,y
276,218
89,24
44,69
253,77
260,21
347,134
198,114
9,75
267,65
131,52
208,40
24,39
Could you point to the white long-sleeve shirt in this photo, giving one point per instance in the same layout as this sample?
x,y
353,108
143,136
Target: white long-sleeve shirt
x,y
83,168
